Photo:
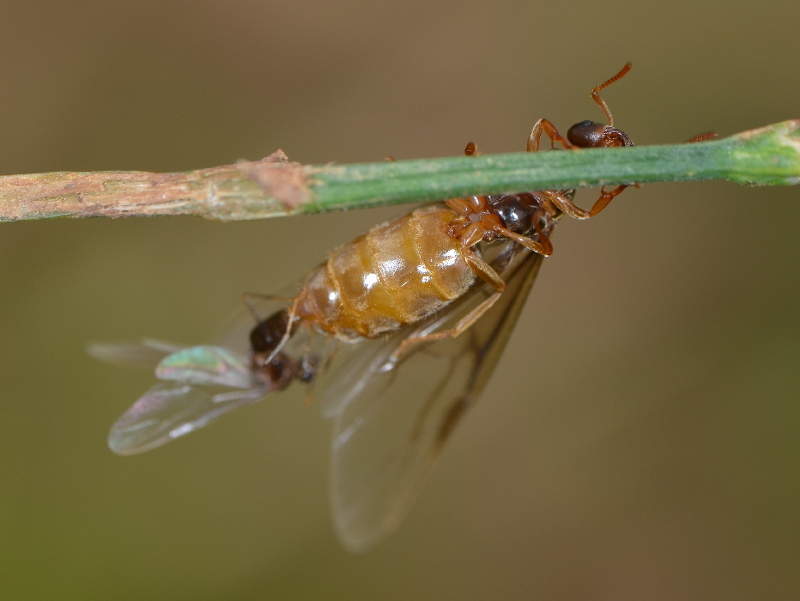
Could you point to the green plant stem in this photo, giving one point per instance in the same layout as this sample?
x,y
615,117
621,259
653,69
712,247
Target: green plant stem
x,y
276,187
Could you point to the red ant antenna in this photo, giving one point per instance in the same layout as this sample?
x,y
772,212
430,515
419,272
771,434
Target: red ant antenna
x,y
605,84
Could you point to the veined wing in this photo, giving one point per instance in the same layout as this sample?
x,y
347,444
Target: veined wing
x,y
392,420
147,353
172,409
200,384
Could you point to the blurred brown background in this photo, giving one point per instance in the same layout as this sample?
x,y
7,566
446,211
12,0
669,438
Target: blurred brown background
x,y
641,438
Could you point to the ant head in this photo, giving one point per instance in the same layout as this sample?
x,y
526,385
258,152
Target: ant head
x,y
268,334
589,134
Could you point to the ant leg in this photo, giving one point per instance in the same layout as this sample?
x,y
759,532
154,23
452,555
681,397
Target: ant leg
x,y
543,126
708,135
605,198
467,205
543,246
484,271
471,234
573,210
565,205
459,205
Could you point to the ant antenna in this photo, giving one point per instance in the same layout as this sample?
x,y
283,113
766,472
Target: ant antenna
x,y
605,84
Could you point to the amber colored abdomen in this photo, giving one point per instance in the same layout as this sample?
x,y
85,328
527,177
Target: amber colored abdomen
x,y
396,274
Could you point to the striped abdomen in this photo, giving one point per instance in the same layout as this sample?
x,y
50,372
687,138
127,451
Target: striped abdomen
x,y
396,274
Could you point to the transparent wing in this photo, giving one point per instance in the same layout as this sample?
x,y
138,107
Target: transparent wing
x,y
172,409
392,420
207,365
147,353
201,384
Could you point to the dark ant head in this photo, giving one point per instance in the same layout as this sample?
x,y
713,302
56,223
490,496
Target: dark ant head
x,y
589,134
265,337
273,368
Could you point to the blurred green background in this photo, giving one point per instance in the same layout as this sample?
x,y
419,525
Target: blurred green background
x,y
641,437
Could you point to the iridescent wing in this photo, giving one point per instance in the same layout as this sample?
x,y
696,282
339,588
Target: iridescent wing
x,y
392,420
200,384
172,409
